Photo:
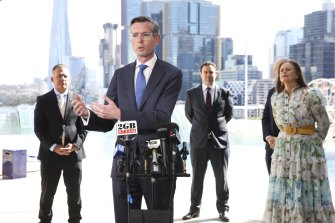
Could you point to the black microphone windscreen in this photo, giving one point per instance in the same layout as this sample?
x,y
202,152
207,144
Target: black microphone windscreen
x,y
173,125
162,131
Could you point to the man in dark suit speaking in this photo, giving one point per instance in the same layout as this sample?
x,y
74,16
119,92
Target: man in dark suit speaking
x,y
209,108
61,136
146,91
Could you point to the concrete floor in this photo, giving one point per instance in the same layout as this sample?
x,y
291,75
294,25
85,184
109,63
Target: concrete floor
x,y
19,198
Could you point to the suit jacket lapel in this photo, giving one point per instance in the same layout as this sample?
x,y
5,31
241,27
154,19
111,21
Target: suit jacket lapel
x,y
217,96
54,104
127,77
68,105
200,95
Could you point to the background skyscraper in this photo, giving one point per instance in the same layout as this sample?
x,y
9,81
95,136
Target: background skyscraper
x,y
60,43
129,10
316,53
109,53
60,47
284,39
189,29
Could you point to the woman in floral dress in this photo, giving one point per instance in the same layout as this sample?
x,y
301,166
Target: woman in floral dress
x,y
299,190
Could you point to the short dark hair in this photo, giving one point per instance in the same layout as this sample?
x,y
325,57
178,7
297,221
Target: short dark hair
x,y
155,25
207,63
58,66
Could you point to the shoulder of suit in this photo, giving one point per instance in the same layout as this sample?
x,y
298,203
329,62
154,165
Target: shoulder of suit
x,y
46,96
272,90
194,88
223,89
49,93
168,65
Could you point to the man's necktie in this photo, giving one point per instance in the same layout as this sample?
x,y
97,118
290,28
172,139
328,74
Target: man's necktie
x,y
140,84
61,104
208,100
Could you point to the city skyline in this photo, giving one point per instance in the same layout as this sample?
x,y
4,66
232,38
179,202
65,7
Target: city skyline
x,y
25,40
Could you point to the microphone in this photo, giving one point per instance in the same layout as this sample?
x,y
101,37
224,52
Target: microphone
x,y
120,157
174,135
153,145
174,138
127,131
162,134
119,150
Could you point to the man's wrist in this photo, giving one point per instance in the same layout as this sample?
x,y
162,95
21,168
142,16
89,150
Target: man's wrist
x,y
75,147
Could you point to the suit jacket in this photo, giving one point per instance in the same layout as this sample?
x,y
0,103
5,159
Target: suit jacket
x,y
268,123
49,124
214,122
157,104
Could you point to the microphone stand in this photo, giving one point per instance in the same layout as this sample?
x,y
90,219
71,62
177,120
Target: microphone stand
x,y
184,151
164,155
145,158
174,158
127,141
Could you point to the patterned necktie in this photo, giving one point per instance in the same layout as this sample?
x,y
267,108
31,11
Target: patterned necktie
x,y
208,100
140,84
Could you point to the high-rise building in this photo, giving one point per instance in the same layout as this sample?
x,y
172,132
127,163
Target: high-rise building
x,y
129,10
316,53
284,39
60,43
60,47
189,30
154,10
227,46
235,69
109,55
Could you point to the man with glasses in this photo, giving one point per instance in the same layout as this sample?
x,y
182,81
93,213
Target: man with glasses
x,y
146,91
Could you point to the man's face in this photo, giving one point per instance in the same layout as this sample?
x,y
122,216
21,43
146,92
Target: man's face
x,y
208,75
61,79
143,40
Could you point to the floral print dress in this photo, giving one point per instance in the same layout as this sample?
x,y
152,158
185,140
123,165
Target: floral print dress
x,y
299,190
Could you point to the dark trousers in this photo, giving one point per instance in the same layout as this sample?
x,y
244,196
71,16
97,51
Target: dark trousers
x,y
268,154
219,161
163,187
50,175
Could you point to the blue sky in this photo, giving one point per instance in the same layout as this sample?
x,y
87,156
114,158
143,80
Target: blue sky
x,y
25,30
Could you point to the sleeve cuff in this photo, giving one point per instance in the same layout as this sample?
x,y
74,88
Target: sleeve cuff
x,y
86,120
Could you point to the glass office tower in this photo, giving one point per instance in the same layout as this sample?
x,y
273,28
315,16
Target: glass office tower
x,y
189,29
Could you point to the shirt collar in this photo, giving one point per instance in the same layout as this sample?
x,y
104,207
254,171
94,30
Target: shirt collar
x,y
204,87
150,63
57,93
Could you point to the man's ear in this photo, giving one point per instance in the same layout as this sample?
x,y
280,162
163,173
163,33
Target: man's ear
x,y
52,79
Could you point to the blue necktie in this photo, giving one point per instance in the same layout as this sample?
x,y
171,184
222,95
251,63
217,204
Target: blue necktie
x,y
140,84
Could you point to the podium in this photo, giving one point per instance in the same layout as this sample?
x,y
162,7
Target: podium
x,y
150,216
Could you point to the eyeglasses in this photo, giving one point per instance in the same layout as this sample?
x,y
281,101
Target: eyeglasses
x,y
144,36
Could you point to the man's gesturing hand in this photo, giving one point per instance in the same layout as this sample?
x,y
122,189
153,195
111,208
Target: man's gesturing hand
x,y
108,111
79,106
